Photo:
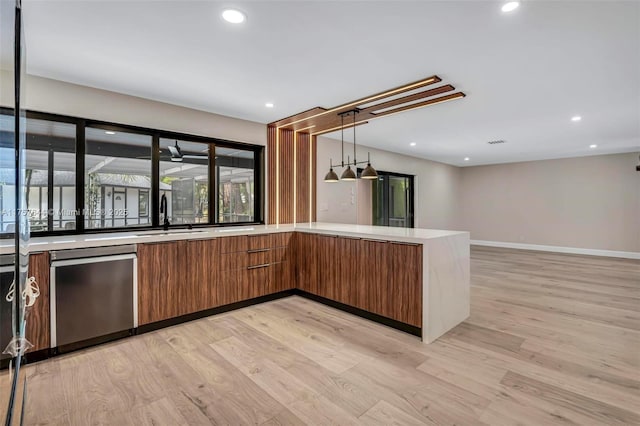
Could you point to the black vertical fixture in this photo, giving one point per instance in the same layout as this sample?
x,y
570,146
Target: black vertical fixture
x,y
155,180
80,181
213,181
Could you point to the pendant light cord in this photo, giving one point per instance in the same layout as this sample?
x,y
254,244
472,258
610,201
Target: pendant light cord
x,y
342,138
354,138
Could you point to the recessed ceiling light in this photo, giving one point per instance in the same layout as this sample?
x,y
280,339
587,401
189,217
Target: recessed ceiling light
x,y
109,132
576,118
593,145
412,144
233,16
269,105
510,6
466,158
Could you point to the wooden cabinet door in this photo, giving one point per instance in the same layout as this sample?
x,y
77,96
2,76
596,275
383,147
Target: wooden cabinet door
x,y
347,267
281,276
231,278
406,283
160,277
257,282
38,326
373,274
280,239
202,259
327,272
307,262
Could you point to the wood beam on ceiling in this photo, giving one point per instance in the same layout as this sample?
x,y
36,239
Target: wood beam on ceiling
x,y
294,119
319,121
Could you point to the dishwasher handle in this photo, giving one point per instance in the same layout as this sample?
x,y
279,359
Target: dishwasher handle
x,y
92,252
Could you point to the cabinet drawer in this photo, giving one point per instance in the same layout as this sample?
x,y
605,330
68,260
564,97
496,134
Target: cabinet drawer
x,y
234,244
233,261
260,257
270,255
257,242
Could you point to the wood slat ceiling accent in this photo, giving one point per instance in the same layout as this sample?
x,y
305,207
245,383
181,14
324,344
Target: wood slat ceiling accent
x,y
286,176
320,120
272,169
303,177
291,158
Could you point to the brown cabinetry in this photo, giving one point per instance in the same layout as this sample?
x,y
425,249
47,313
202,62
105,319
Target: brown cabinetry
x,y
405,277
268,266
306,250
373,284
183,277
377,276
161,278
328,260
347,270
38,330
202,262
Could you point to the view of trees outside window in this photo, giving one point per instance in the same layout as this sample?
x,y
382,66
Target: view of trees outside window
x,y
236,192
117,179
184,179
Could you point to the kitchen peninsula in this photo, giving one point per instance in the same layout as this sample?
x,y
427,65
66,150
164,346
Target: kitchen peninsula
x,y
416,280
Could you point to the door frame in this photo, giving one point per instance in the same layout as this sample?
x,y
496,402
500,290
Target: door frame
x,y
412,182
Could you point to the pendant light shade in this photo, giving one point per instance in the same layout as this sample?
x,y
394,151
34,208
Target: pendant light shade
x,y
348,174
331,176
369,172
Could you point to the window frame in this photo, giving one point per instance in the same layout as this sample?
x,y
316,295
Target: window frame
x,y
154,192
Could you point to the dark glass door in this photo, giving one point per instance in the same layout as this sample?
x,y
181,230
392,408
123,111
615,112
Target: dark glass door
x,y
392,200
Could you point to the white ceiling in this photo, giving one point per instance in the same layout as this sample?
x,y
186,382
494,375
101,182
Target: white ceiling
x,y
525,73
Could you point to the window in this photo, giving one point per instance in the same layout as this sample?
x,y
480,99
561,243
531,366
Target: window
x,y
49,177
7,174
235,174
117,175
184,180
89,176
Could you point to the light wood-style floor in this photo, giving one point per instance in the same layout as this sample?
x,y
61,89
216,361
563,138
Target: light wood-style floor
x,y
552,339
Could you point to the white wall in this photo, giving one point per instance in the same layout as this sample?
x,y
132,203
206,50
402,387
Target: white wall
x,y
437,187
586,202
58,97
53,96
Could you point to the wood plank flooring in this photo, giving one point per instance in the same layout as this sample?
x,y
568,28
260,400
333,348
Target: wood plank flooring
x,y
552,339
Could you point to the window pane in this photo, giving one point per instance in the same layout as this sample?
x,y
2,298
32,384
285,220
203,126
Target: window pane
x,y
50,141
235,170
184,180
64,191
117,169
7,174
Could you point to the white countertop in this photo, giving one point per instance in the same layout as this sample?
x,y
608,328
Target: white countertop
x,y
63,242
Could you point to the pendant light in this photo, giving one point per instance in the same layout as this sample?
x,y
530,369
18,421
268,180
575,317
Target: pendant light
x,y
331,176
369,172
349,174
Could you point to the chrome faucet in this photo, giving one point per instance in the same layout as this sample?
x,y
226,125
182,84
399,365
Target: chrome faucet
x,y
163,209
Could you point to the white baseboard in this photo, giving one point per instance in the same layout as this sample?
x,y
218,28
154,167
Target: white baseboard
x,y
558,249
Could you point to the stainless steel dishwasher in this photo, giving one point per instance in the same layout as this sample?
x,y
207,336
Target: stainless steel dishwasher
x,y
93,295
